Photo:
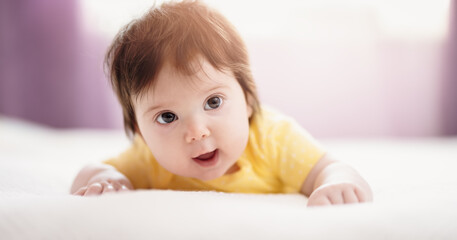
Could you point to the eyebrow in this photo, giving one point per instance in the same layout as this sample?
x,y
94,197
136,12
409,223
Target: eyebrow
x,y
214,88
153,107
150,109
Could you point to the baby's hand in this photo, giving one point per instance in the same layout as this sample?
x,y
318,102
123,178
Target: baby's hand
x,y
97,188
100,179
338,193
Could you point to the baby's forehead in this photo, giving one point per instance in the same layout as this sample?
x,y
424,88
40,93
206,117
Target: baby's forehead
x,y
202,77
196,74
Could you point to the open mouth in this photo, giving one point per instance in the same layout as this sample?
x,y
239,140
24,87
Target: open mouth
x,y
206,156
207,159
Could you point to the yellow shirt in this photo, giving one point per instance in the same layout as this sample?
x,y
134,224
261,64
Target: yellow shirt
x,y
277,159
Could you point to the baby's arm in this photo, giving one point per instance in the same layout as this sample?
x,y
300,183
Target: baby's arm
x,y
96,179
332,182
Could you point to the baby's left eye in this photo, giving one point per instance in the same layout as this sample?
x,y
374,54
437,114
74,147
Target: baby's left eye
x,y
213,103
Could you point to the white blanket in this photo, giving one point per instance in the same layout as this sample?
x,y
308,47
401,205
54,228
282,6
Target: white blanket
x,y
414,183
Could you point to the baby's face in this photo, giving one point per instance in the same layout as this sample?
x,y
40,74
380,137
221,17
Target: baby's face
x,y
195,126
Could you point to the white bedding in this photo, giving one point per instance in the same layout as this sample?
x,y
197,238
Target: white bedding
x,y
414,183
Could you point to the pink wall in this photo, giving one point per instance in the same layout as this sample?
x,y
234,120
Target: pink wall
x,y
382,89
370,85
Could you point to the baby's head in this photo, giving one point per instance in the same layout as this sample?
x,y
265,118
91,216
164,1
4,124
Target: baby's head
x,y
182,75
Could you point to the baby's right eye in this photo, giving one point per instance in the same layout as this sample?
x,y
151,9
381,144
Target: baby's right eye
x,y
166,118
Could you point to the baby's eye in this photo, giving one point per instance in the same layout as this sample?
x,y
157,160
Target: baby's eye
x,y
166,118
213,103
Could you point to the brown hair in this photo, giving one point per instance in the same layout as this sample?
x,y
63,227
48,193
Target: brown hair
x,y
175,32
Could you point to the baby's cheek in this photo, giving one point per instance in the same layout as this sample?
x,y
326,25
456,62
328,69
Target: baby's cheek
x,y
173,159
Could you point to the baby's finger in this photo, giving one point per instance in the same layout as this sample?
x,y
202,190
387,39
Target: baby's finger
x,y
318,201
107,187
94,189
361,195
350,196
336,197
123,188
80,191
117,186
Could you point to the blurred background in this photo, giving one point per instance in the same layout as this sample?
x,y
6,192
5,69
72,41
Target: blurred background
x,y
347,69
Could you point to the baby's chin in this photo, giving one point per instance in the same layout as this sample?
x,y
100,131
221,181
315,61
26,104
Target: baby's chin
x,y
203,176
222,168
209,176
213,175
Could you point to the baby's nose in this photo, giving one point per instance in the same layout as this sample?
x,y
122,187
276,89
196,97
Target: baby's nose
x,y
196,132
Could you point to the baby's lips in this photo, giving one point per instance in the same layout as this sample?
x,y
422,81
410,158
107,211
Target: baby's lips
x,y
205,156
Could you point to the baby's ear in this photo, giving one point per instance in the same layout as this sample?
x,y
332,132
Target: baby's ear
x,y
248,106
249,109
137,131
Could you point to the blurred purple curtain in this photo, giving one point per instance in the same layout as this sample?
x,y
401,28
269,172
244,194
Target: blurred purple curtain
x,y
50,72
450,84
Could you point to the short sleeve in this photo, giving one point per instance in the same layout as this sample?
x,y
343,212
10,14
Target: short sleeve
x,y
134,163
297,152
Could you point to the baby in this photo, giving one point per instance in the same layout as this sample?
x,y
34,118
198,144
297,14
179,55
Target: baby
x,y
182,75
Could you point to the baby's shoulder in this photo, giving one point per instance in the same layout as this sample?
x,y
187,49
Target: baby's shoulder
x,y
270,121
